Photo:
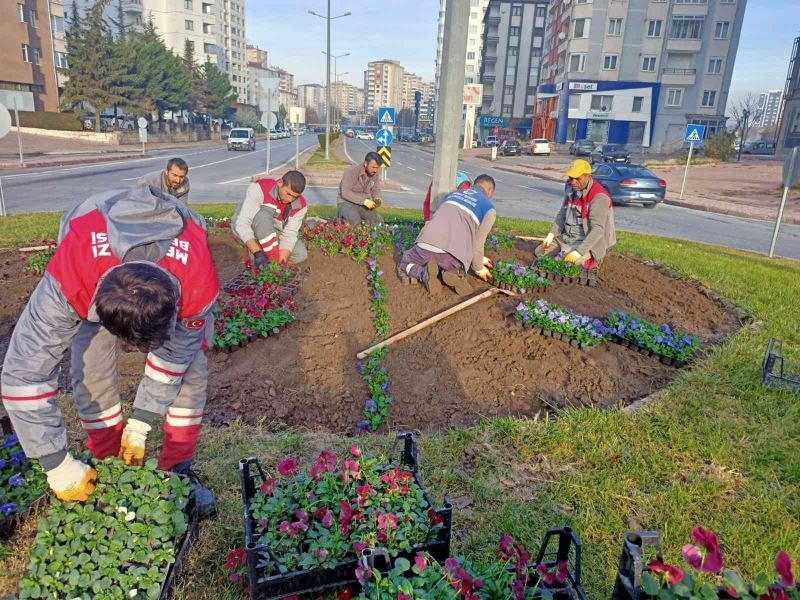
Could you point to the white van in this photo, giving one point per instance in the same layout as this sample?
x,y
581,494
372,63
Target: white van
x,y
242,138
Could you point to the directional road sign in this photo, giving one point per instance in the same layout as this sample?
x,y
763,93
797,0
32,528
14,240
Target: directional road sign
x,y
386,115
386,154
384,137
269,120
142,123
694,133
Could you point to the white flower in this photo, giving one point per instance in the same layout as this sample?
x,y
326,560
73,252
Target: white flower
x,y
122,509
130,516
133,593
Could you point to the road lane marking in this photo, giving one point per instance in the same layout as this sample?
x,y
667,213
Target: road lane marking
x,y
429,174
280,166
411,168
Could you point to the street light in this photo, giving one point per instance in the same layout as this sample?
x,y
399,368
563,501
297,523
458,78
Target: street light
x,y
328,18
335,58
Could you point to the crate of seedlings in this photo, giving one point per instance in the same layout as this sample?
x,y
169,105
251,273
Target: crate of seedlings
x,y
130,540
304,532
558,270
660,341
518,278
22,482
554,574
557,322
777,371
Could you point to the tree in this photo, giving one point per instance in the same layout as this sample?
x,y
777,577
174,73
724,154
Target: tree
x,y
747,106
282,114
247,117
220,94
119,22
719,146
96,71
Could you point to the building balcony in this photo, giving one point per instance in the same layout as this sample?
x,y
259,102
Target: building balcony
x,y
684,45
493,39
671,76
487,78
490,60
487,98
493,20
132,7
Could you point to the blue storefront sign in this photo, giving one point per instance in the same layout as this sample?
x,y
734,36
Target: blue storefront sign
x,y
488,121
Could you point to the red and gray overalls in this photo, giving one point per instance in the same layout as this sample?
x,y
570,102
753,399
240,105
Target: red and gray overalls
x,y
100,234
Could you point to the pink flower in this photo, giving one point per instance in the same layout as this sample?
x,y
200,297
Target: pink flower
x,y
323,554
709,558
359,547
327,520
420,562
350,469
402,596
671,574
783,565
506,547
355,451
268,487
301,515
287,467
387,522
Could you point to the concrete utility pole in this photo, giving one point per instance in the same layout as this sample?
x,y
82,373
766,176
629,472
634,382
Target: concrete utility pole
x,y
451,97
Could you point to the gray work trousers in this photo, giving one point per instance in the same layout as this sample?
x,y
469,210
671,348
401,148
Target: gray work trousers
x,y
264,228
355,214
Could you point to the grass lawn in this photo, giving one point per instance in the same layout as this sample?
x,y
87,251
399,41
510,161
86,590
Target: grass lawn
x,y
716,449
317,161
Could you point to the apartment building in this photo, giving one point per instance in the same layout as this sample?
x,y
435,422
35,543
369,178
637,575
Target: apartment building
x,y
769,108
383,84
347,98
254,54
514,33
411,83
312,95
231,40
32,45
637,71
255,72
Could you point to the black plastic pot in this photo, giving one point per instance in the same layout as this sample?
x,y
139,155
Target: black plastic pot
x,y
264,586
192,533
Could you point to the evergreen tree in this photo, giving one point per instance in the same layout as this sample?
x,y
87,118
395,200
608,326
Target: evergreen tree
x,y
96,75
119,22
220,94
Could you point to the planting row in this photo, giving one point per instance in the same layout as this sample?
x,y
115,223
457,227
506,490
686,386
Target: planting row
x,y
662,341
22,482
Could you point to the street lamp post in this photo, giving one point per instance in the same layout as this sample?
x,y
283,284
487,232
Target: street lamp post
x,y
328,18
745,116
335,68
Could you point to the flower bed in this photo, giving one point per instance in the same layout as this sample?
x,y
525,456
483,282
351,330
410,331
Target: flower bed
x,y
705,579
37,262
248,314
558,270
274,273
127,541
304,532
357,241
671,347
404,233
561,323
518,278
22,482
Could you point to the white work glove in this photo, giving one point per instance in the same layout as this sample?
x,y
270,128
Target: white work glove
x,y
72,480
548,240
134,437
484,274
487,262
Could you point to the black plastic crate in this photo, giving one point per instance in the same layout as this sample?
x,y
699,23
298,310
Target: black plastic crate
x,y
9,526
311,581
559,545
776,371
192,533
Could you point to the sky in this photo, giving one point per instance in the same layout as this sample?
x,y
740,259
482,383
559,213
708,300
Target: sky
x,y
406,30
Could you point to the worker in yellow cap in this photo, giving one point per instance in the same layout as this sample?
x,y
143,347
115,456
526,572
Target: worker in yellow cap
x,y
583,230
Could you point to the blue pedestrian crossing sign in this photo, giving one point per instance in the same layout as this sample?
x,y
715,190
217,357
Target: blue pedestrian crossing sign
x,y
386,115
694,133
384,137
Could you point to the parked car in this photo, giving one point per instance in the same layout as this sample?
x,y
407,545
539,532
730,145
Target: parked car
x,y
539,146
365,135
491,140
581,148
350,133
631,184
242,138
613,153
759,148
509,148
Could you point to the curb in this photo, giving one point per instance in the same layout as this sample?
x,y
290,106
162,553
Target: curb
x,y
787,220
60,163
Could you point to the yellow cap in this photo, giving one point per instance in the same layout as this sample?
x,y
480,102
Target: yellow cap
x,y
579,167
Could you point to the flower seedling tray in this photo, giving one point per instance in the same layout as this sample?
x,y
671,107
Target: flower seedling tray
x,y
776,371
192,533
517,290
244,343
294,583
587,277
672,362
556,336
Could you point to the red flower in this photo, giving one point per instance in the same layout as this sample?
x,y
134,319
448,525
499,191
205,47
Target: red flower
x,y
268,487
287,467
402,596
235,558
355,451
345,594
387,521
709,558
775,593
362,243
506,547
783,565
420,562
434,518
671,574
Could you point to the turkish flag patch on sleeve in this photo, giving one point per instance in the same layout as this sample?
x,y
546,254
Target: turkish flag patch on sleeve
x,y
194,323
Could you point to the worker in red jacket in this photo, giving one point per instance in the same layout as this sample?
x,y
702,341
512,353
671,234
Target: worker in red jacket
x,y
132,269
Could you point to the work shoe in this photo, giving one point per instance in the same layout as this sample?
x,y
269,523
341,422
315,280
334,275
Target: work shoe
x,y
457,281
203,497
430,278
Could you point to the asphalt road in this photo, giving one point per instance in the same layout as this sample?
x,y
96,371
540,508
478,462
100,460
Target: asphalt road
x,y
217,175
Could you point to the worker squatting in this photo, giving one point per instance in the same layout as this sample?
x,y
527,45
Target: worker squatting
x,y
133,270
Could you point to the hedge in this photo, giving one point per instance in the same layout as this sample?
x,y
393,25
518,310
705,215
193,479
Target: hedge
x,y
64,121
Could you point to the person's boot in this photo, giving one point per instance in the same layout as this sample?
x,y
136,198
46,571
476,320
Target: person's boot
x,y
203,497
457,281
430,278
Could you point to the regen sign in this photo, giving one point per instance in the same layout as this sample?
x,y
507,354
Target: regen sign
x,y
490,121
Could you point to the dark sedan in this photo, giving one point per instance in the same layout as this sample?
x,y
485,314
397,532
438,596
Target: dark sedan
x,y
509,148
610,153
581,147
631,184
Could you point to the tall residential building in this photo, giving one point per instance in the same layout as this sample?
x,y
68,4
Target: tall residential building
x,y
255,71
472,64
254,54
637,72
514,32
347,98
789,122
287,96
383,84
231,38
31,47
312,95
769,108
411,83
